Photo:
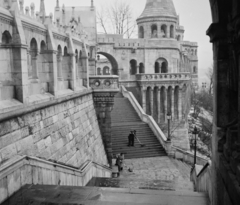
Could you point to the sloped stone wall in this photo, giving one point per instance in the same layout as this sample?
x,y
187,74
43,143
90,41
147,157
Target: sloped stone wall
x,y
67,132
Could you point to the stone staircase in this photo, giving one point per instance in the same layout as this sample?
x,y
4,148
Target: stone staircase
x,y
124,119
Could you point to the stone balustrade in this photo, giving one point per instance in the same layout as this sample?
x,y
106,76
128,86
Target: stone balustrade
x,y
164,77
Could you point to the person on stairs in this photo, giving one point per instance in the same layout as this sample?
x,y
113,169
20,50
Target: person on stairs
x,y
131,137
119,162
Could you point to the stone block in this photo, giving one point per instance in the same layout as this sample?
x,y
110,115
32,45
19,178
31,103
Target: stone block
x,y
24,132
48,141
41,145
8,152
13,181
3,189
26,175
24,144
5,127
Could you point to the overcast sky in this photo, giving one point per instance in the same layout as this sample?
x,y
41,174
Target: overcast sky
x,y
195,16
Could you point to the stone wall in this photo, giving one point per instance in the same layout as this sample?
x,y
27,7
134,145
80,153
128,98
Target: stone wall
x,y
67,132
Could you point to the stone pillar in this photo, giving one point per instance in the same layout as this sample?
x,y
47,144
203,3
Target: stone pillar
x,y
159,104
53,84
172,104
180,104
151,100
103,102
219,37
73,72
143,93
168,31
20,72
35,67
59,67
165,103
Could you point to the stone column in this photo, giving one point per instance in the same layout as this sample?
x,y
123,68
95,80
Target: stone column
x,y
59,67
20,72
151,101
159,104
165,103
168,31
172,107
103,102
180,104
35,67
143,93
53,84
73,72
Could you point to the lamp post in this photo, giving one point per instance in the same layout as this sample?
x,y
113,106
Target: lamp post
x,y
195,132
169,118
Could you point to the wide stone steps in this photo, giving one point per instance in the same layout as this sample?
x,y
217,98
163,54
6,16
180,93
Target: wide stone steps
x,y
125,119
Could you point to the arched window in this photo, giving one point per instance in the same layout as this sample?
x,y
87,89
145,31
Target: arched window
x,y
171,31
161,66
164,31
33,52
65,51
99,71
164,67
133,67
141,32
154,31
194,69
6,38
43,46
106,70
141,68
157,67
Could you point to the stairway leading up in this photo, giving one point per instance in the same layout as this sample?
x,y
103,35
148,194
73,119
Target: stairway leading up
x,y
124,119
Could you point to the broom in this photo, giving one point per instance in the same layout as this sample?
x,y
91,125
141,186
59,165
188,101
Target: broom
x,y
142,145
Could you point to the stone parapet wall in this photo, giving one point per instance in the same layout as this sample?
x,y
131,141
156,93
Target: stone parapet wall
x,y
67,132
22,170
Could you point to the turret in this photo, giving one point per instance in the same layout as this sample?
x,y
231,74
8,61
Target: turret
x,y
158,20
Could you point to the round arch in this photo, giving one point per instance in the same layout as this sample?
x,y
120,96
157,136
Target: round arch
x,y
113,62
161,65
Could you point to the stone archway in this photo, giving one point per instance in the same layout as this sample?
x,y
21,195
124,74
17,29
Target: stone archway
x,y
113,62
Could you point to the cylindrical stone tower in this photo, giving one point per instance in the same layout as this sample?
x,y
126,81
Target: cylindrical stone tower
x,y
158,20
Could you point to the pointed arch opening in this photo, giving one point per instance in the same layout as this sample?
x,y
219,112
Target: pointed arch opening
x,y
154,31
6,38
164,31
171,31
141,32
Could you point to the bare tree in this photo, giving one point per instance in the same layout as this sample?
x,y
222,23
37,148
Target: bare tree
x,y
209,75
117,19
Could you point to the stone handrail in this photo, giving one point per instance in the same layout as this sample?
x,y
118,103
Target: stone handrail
x,y
22,170
188,157
148,119
201,177
163,77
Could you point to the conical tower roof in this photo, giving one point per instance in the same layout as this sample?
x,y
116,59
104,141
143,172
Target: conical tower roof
x,y
159,8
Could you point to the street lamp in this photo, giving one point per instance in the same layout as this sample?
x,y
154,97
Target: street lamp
x,y
169,118
195,132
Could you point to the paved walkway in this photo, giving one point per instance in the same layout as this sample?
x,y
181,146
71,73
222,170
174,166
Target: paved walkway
x,y
157,168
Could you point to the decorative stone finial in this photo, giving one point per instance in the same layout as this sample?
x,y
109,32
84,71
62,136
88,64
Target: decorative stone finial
x,y
32,6
73,12
27,10
37,15
21,3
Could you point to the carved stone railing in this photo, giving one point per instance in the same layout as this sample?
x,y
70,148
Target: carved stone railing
x,y
22,170
164,77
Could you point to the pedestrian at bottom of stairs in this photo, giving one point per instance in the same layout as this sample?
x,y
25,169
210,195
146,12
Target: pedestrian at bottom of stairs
x,y
131,137
119,162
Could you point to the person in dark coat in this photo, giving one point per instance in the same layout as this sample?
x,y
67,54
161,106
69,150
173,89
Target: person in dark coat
x,y
119,162
131,137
